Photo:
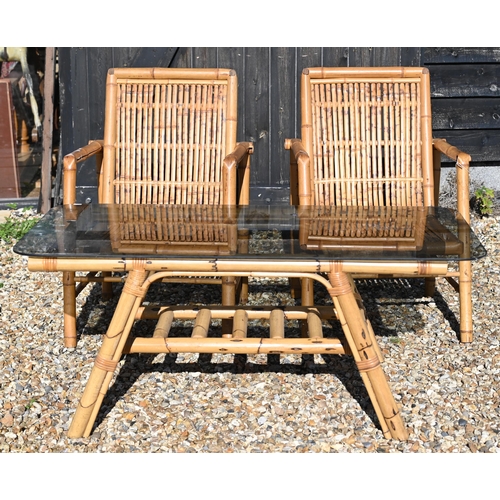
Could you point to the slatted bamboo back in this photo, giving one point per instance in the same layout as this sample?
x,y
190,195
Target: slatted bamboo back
x,y
368,133
167,132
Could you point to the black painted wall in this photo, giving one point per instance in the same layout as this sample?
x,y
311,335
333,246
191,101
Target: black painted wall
x,y
465,89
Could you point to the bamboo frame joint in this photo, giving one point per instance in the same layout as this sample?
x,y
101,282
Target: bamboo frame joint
x,y
368,364
107,365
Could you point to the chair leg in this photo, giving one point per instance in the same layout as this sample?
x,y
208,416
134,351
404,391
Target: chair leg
x,y
228,299
307,299
430,287
465,290
242,288
242,291
107,287
69,299
295,288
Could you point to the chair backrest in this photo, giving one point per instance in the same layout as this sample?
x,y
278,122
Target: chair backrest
x,y
368,133
166,134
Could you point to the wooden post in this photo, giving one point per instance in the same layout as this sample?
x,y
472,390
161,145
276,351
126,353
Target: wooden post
x,y
48,125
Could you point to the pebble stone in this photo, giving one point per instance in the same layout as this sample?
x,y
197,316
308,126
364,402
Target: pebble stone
x,y
192,403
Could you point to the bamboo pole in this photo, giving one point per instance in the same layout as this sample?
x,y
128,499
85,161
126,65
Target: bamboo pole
x,y
69,301
277,324
236,346
202,324
164,324
109,355
314,325
251,268
364,377
366,356
240,324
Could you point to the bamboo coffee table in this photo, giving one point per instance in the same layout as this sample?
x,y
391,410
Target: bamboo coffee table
x,y
151,243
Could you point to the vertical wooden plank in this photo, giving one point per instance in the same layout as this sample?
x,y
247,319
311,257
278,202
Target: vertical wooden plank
x,y
182,58
256,120
359,56
374,56
64,90
93,84
204,57
308,57
100,60
65,55
80,102
411,56
125,57
336,57
386,56
74,104
233,58
145,57
283,113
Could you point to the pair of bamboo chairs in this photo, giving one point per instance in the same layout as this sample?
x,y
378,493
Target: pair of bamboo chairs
x,y
170,137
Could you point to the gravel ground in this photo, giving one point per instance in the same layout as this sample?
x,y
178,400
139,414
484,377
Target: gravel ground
x,y
224,403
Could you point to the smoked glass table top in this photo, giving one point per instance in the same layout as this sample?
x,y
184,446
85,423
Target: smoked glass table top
x,y
259,231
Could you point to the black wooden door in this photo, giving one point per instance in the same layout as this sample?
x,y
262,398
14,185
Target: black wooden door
x,y
465,89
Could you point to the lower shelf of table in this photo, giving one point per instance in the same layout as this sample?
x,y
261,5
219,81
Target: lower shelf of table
x,y
239,339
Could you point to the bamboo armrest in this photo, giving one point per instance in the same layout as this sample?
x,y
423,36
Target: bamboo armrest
x,y
299,173
241,149
452,152
237,184
296,147
71,160
462,162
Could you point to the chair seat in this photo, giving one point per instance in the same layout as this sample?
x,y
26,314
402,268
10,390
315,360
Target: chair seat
x,y
163,229
361,228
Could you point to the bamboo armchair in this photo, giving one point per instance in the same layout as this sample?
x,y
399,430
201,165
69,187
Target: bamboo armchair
x,y
367,141
169,137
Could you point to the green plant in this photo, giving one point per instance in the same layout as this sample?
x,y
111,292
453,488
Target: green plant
x,y
394,340
12,206
29,404
13,229
484,200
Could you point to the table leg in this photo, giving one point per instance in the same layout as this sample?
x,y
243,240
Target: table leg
x,y
69,293
109,354
366,354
